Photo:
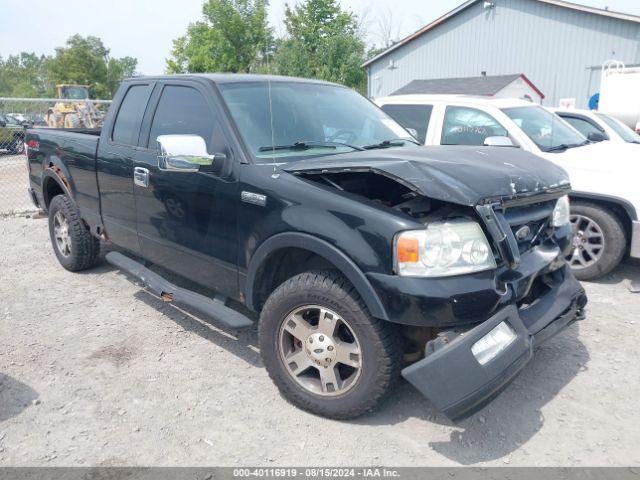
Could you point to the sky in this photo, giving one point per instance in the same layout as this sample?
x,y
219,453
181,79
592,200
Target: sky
x,y
145,28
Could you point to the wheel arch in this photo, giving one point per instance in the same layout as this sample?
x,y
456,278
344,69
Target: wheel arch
x,y
623,209
320,252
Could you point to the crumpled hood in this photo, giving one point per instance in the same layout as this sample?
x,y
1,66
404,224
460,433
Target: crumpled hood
x,y
462,175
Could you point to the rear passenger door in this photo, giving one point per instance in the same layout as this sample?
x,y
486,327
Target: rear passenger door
x,y
187,220
114,166
414,118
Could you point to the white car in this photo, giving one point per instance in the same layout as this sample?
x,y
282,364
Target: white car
x,y
604,176
597,126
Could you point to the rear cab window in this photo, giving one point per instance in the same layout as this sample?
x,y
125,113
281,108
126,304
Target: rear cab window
x,y
411,117
126,127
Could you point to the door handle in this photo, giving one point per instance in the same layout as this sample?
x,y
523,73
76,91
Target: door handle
x,y
141,177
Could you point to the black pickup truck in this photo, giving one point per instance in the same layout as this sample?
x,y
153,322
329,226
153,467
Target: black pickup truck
x,y
365,255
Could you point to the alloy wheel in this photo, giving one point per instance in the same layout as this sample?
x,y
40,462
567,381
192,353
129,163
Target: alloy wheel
x,y
320,350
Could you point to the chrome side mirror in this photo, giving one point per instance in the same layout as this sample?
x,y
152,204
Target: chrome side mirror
x,y
183,153
498,142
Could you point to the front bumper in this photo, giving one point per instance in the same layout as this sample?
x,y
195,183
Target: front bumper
x,y
451,377
635,239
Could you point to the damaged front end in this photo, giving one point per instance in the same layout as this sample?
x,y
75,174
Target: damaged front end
x,y
484,324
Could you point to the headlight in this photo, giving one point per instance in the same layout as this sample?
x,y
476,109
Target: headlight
x,y
560,216
443,249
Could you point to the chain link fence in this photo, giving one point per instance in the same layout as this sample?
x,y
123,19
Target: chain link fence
x,y
18,114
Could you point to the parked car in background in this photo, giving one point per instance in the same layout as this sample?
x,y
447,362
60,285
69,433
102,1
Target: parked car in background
x,y
366,255
605,197
11,135
597,126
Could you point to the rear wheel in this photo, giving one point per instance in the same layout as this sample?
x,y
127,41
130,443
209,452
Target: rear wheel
x,y
73,244
599,240
72,120
323,349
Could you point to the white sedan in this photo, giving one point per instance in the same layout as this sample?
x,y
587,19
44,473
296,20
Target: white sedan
x,y
597,126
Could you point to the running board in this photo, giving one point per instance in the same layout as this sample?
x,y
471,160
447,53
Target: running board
x,y
169,292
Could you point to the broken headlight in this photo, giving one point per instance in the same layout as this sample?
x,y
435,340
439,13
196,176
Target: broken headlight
x,y
560,215
443,249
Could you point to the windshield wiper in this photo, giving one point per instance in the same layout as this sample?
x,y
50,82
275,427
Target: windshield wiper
x,y
306,145
393,142
564,146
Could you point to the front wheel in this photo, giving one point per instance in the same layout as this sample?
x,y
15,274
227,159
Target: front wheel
x,y
322,348
599,240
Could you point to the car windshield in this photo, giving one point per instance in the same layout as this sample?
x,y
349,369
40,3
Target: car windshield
x,y
548,131
75,93
620,128
286,121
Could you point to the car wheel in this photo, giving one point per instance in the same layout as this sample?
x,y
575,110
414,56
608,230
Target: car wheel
x,y
323,349
73,244
17,146
599,240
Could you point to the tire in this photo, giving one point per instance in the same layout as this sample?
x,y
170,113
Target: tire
x,y
605,236
376,341
17,146
83,248
72,120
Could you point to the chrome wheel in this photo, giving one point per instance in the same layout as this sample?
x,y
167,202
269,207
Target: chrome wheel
x,y
588,242
61,234
320,351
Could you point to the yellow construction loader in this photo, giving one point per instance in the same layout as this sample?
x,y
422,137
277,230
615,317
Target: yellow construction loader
x,y
75,110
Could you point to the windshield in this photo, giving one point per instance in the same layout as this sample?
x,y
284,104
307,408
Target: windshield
x,y
548,131
620,128
75,93
307,119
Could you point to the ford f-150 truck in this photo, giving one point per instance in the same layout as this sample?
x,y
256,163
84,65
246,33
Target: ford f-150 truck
x,y
365,255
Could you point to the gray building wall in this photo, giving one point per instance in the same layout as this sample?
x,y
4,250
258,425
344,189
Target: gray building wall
x,y
560,50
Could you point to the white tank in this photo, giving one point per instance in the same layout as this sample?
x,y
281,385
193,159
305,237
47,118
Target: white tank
x,y
620,93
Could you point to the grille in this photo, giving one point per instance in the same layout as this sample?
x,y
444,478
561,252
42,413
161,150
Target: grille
x,y
530,224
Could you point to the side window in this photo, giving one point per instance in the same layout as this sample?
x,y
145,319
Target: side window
x,y
182,111
469,126
585,127
127,125
414,117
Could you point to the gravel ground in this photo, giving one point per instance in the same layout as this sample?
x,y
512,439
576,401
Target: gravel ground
x,y
95,371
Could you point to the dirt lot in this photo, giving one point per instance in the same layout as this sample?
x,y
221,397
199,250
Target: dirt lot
x,y
95,371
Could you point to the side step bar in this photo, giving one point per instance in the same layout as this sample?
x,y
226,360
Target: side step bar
x,y
158,285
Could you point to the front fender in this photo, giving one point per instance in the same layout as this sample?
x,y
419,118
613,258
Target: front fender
x,y
325,250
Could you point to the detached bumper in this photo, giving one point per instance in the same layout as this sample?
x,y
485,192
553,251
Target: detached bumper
x,y
458,385
635,239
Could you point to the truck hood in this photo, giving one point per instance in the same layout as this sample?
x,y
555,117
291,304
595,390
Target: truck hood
x,y
463,175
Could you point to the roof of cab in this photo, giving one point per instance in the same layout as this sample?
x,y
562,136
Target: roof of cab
x,y
467,99
234,78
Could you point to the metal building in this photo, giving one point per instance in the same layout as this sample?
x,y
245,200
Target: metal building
x,y
559,46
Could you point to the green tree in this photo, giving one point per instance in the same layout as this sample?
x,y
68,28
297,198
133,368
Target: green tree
x,y
24,75
323,42
86,61
233,37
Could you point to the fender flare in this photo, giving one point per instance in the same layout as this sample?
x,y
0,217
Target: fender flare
x,y
621,202
323,249
57,171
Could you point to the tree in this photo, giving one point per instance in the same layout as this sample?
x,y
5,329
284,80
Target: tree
x,y
86,61
24,75
233,37
323,41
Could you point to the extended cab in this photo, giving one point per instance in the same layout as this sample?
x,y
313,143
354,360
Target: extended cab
x,y
365,255
605,201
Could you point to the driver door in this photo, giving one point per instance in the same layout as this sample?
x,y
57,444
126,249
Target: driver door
x,y
187,220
